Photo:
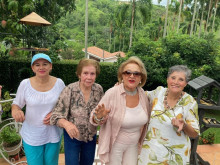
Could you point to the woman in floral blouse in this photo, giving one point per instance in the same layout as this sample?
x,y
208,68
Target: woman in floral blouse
x,y
174,118
72,113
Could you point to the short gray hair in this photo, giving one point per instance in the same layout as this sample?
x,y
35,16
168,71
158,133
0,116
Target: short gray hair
x,y
180,68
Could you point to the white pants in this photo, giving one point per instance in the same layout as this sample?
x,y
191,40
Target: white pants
x,y
123,154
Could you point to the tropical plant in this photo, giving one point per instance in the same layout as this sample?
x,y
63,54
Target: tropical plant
x,y
9,136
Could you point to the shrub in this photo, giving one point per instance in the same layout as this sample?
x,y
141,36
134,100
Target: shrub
x,y
207,139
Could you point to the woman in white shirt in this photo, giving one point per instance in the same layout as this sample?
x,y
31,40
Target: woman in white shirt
x,y
39,93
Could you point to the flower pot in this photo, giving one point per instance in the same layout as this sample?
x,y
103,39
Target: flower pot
x,y
14,149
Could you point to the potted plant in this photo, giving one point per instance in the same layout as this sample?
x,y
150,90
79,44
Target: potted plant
x,y
10,139
6,106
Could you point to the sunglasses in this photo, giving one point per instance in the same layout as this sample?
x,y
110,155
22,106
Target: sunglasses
x,y
129,73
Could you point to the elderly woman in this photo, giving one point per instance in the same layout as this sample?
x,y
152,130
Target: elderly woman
x,y
39,93
123,114
72,113
174,118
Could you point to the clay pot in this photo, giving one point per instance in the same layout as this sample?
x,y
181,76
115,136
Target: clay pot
x,y
13,150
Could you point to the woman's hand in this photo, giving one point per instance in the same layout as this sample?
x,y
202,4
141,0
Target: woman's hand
x,y
101,112
178,123
47,119
17,113
71,129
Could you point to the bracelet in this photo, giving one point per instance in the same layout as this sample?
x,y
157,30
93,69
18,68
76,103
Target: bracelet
x,y
97,119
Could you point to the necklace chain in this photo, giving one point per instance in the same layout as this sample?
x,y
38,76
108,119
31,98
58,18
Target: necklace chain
x,y
165,100
131,93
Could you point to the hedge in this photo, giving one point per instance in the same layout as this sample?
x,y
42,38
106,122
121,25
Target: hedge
x,y
14,71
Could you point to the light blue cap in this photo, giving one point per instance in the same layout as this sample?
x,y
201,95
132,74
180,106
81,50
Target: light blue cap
x,y
40,56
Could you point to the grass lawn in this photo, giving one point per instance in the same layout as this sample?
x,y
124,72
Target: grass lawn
x,y
214,114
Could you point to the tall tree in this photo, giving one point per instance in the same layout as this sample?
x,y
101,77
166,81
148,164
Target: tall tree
x,y
215,11
166,18
86,28
202,4
180,10
207,20
174,7
132,23
193,18
144,6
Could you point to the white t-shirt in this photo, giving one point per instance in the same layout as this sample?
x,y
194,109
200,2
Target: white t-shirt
x,y
38,105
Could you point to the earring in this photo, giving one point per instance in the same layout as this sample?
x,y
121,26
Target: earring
x,y
140,82
122,80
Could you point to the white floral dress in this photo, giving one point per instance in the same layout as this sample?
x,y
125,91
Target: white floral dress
x,y
163,145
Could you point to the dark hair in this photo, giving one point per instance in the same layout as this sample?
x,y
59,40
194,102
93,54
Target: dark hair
x,y
180,68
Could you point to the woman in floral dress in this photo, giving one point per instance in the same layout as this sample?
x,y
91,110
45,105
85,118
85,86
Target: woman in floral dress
x,y
174,118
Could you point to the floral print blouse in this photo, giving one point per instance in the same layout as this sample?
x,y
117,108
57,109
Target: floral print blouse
x,y
72,107
163,144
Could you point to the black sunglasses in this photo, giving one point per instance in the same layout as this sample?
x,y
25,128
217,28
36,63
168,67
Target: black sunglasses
x,y
129,73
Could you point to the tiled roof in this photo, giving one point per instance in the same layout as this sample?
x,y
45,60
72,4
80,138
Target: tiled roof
x,y
98,52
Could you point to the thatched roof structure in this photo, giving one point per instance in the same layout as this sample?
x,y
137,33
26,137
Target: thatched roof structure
x,y
35,20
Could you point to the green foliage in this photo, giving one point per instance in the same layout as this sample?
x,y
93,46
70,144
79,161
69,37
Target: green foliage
x,y
67,54
3,50
17,70
158,56
11,11
6,107
207,139
9,136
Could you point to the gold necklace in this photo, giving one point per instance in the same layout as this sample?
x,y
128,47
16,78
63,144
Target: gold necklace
x,y
165,100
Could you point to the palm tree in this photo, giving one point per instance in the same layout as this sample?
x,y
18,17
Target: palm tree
x,y
132,23
174,7
207,21
120,21
144,6
202,2
165,24
180,10
86,28
215,10
193,19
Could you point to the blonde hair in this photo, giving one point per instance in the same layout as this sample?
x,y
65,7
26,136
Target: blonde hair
x,y
86,62
133,60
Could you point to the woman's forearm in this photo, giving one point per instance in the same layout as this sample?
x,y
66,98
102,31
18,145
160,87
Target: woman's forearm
x,y
62,123
189,130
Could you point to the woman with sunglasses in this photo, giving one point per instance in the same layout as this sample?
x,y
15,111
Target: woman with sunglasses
x,y
123,114
174,118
